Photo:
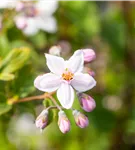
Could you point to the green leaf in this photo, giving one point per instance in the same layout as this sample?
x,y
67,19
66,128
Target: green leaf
x,y
2,97
15,59
4,45
23,83
4,108
39,40
47,102
52,113
6,76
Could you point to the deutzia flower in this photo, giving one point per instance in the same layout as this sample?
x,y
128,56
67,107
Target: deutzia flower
x,y
65,77
33,15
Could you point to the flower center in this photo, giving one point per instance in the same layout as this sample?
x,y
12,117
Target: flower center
x,y
67,75
30,10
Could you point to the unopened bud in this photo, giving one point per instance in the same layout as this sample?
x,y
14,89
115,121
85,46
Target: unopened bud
x,y
87,102
89,55
42,119
63,122
89,71
55,50
80,119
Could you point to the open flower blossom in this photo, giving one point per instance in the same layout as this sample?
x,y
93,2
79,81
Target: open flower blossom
x,y
33,15
65,76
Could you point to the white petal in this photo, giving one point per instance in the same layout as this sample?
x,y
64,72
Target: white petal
x,y
8,3
4,4
55,64
83,82
47,24
65,95
31,27
47,82
76,62
47,7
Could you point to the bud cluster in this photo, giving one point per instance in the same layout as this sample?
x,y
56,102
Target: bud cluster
x,y
80,119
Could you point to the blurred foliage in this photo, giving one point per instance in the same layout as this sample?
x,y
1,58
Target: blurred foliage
x,y
81,24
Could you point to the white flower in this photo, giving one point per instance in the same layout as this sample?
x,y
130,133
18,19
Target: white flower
x,y
8,3
65,76
34,15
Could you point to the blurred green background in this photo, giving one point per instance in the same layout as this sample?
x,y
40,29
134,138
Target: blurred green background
x,y
106,27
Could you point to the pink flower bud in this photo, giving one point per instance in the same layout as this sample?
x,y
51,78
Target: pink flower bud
x,y
80,119
87,102
63,122
42,119
89,55
55,50
89,71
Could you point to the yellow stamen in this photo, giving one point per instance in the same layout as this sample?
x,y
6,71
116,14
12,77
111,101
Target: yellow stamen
x,y
67,75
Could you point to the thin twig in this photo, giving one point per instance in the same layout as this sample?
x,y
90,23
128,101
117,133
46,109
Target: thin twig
x,y
54,101
32,98
53,107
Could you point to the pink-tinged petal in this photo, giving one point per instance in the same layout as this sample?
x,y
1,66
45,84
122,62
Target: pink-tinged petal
x,y
19,6
65,95
47,23
21,22
76,62
31,27
83,82
47,7
55,64
48,82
